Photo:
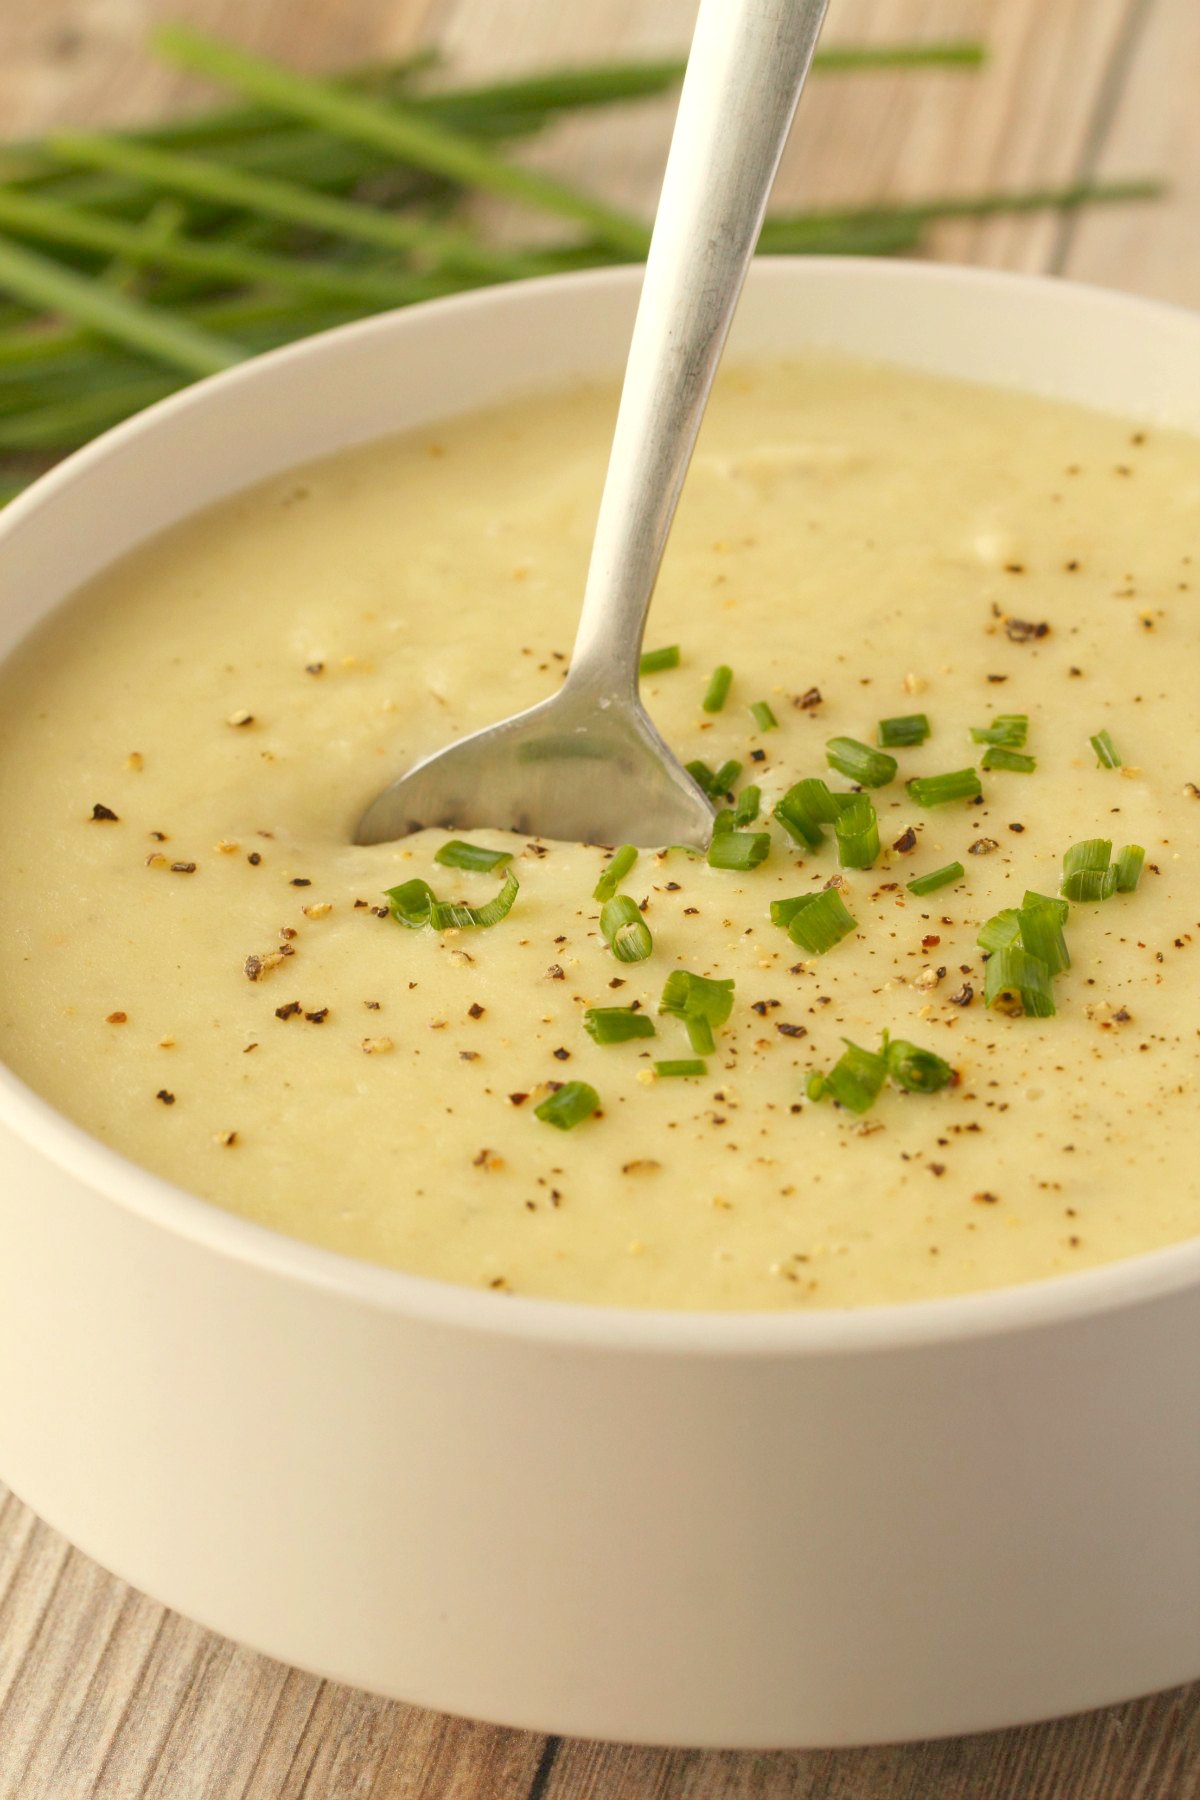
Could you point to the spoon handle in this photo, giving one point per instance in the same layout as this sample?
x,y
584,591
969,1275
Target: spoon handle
x,y
747,66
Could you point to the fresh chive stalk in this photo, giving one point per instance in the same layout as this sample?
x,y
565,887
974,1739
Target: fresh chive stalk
x,y
617,1024
1040,930
652,662
1001,930
1107,754
855,1080
1016,982
568,1105
681,1065
1061,906
749,801
459,855
1087,870
917,1071
857,831
724,778
700,1002
615,872
717,691
820,921
624,930
1007,730
1129,867
936,878
740,850
806,807
1015,761
763,716
870,768
907,729
937,790
410,903
448,915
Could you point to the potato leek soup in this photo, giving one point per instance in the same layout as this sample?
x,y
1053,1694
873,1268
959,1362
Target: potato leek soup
x,y
923,1020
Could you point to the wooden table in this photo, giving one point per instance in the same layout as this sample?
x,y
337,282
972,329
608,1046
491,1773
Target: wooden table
x,y
104,1695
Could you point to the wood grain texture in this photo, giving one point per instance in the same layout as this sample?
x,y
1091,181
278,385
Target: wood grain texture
x,y
103,1694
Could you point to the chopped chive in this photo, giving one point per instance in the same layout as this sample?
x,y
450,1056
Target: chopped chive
x,y
763,717
870,768
723,822
806,807
445,915
743,850
997,757
936,878
415,904
1007,730
936,790
701,774
617,1024
1016,982
784,911
1087,870
458,855
1129,867
569,1105
625,931
820,922
1001,930
1107,754
410,903
685,1065
652,661
1061,907
717,691
748,803
908,728
725,777
1041,933
918,1071
615,872
857,830
854,1080
700,1002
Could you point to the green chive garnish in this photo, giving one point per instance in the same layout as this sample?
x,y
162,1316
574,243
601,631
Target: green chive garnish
x,y
937,878
685,1065
763,717
909,728
569,1105
854,1080
615,872
1001,930
617,1024
457,855
717,691
415,904
997,757
748,803
731,849
409,903
700,1002
857,830
917,1071
446,915
1008,730
725,777
820,921
1107,754
1016,982
1060,906
936,790
1129,867
1087,870
806,807
1041,933
652,661
701,774
870,768
624,930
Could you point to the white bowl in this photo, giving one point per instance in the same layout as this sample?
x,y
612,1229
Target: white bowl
x,y
740,1530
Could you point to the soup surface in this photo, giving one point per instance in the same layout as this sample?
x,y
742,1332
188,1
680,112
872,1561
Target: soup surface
x,y
211,982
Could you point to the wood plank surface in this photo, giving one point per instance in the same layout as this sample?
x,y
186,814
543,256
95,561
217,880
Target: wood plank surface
x,y
103,1694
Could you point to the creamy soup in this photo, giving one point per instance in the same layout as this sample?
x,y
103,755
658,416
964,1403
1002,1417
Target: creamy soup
x,y
198,966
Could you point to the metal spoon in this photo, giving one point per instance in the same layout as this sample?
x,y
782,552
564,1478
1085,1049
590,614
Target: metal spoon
x,y
587,765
